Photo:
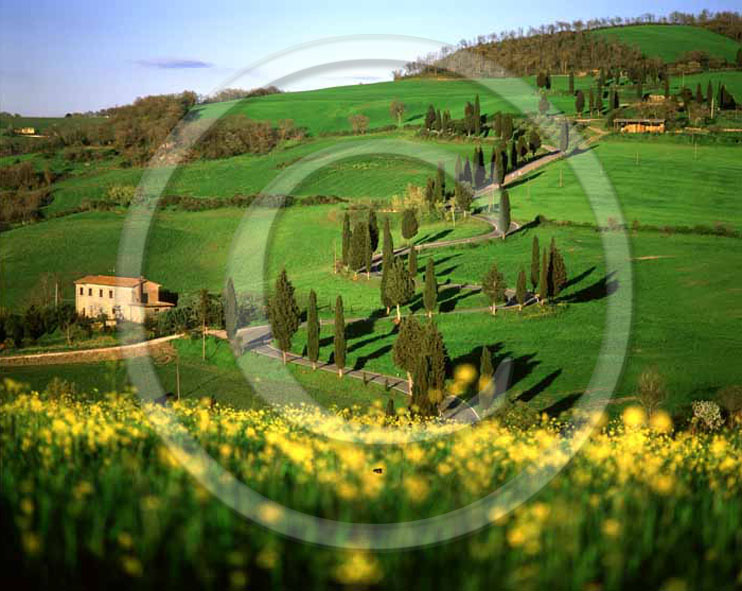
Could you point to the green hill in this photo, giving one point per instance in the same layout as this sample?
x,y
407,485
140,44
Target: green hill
x,y
669,42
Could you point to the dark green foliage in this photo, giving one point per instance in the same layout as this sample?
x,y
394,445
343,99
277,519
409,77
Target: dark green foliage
x,y
399,286
440,182
667,86
564,137
571,83
390,412
359,244
466,176
33,322
339,343
408,344
14,329
373,229
410,225
557,271
420,400
434,351
513,155
430,294
486,371
614,100
494,286
497,124
580,102
543,278
699,94
520,289
313,329
430,117
639,91
463,196
739,58
507,126
591,101
283,313
499,173
535,260
346,240
412,262
709,93
230,309
504,221
386,263
534,141
479,172
477,115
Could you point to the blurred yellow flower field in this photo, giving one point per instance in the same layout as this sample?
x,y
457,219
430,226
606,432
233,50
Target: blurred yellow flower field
x,y
90,490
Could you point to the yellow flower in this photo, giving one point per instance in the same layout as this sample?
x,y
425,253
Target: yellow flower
x,y
611,528
360,568
31,543
269,512
27,506
131,566
417,488
634,417
661,422
663,484
465,373
267,558
125,540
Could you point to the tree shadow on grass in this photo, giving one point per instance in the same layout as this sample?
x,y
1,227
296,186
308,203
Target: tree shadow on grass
x,y
562,405
523,179
434,237
545,383
597,291
522,365
576,279
461,294
364,359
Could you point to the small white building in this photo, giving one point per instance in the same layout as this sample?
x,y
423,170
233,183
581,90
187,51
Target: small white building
x,y
119,298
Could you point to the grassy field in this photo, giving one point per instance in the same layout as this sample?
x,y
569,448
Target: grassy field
x,y
670,41
188,250
220,376
673,184
327,110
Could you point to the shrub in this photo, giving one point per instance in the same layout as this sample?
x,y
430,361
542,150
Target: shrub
x,y
706,416
651,390
730,399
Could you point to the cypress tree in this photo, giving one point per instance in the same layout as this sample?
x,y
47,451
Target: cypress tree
x,y
434,351
419,386
520,289
438,120
497,122
614,102
639,90
230,309
477,116
543,279
346,239
486,371
390,412
369,253
430,118
358,242
667,85
399,287
467,173
284,313
591,101
430,295
599,103
386,263
463,196
709,93
571,82
507,127
513,155
535,259
564,137
409,224
493,286
499,169
458,171
373,229
543,105
504,221
430,192
557,273
534,141
313,329
699,94
407,346
339,341
580,102
412,262
739,57
440,182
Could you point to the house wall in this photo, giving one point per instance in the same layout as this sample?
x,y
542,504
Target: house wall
x,y
92,299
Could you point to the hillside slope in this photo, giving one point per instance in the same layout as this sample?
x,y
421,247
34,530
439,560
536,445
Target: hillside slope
x,y
670,42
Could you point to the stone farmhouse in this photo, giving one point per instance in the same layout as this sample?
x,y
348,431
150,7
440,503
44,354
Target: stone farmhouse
x,y
119,298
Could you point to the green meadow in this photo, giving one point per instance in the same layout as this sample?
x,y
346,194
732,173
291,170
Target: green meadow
x,y
670,41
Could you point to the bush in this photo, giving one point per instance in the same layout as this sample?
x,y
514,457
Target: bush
x,y
651,390
706,416
730,399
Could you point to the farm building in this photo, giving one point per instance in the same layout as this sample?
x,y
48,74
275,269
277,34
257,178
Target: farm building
x,y
119,298
639,125
25,131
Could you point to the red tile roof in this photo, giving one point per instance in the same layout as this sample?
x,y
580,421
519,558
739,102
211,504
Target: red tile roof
x,y
111,280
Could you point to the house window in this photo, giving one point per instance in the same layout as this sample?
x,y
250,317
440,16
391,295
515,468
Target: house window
x,y
100,293
110,293
81,290
90,291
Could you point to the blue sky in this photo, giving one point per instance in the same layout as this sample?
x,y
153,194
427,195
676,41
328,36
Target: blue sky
x,y
72,55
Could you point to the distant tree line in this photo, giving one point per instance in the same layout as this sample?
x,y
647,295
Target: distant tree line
x,y
233,94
